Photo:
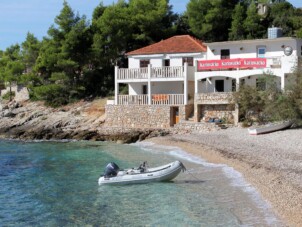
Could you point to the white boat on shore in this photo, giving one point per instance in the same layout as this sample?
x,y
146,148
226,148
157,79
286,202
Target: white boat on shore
x,y
142,174
270,128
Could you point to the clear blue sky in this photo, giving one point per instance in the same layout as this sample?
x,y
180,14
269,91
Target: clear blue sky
x,y
17,17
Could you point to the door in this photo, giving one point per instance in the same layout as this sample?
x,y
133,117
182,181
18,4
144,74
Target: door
x,y
219,85
174,115
145,89
167,62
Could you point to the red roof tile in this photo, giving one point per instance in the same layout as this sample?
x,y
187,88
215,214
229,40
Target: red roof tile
x,y
175,44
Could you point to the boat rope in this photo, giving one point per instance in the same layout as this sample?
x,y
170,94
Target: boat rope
x,y
193,176
183,168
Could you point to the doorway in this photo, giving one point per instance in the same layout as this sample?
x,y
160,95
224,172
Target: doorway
x,y
167,62
145,89
219,85
174,115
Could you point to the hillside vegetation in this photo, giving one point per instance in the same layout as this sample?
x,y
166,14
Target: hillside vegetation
x,y
77,57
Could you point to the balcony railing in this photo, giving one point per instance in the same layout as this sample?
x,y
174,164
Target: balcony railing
x,y
167,72
163,99
138,73
132,100
156,72
156,99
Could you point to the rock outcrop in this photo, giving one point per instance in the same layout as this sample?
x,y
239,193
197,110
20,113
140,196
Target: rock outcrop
x,y
81,121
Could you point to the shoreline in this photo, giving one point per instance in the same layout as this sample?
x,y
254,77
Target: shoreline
x,y
272,163
283,195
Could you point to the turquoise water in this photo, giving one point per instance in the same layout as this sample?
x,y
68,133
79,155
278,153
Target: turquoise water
x,y
55,184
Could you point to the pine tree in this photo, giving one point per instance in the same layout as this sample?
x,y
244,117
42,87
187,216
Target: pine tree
x,y
237,31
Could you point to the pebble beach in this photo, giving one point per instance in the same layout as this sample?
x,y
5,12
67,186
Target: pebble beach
x,y
272,163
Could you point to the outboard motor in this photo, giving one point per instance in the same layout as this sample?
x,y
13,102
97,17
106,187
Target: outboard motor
x,y
111,170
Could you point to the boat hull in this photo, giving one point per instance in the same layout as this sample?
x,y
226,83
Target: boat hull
x,y
270,128
163,173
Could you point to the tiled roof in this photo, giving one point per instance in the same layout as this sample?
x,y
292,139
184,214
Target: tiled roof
x,y
175,44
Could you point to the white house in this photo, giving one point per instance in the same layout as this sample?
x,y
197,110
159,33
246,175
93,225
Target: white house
x,y
162,73
231,64
182,77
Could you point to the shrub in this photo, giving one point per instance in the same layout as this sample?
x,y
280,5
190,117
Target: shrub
x,y
53,94
9,95
271,104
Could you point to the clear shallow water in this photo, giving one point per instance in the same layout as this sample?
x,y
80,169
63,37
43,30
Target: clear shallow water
x,y
55,184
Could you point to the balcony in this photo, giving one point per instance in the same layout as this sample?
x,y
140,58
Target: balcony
x,y
167,72
155,73
156,99
130,74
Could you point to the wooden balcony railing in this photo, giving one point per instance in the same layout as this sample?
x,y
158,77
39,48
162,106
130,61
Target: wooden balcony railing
x,y
126,74
163,99
132,100
167,72
156,99
156,72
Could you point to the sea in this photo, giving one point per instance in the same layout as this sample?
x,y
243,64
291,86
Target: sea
x,y
55,184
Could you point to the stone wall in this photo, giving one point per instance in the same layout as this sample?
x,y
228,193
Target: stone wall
x,y
141,116
185,111
215,105
223,112
214,98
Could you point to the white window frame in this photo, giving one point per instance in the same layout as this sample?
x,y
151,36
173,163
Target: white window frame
x,y
260,55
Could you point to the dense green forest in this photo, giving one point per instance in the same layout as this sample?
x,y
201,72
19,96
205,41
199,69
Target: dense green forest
x,y
77,57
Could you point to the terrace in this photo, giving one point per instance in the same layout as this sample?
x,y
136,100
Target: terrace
x,y
166,85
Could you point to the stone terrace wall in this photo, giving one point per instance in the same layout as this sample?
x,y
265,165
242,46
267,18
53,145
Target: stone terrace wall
x,y
138,116
214,98
215,105
218,111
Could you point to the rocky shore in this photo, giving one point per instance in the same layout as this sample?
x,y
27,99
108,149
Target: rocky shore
x,y
272,163
83,120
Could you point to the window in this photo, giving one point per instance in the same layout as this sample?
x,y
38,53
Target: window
x,y
144,63
189,60
225,54
242,82
261,52
167,62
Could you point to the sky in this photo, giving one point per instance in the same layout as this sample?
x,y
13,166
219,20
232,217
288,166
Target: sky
x,y
18,17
